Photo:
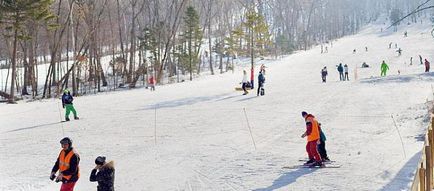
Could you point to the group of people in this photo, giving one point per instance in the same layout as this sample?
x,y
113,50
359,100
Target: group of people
x,y
67,166
343,73
316,138
245,83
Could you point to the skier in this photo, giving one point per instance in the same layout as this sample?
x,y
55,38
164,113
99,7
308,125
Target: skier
x,y
326,50
244,83
384,68
405,34
324,74
312,133
354,51
399,51
152,82
261,81
411,61
427,65
346,72
420,59
390,45
105,175
67,165
341,72
366,48
67,104
321,146
262,69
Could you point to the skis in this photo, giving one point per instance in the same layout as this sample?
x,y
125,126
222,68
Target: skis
x,y
313,167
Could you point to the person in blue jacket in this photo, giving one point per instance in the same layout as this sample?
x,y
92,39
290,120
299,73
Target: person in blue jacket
x,y
341,72
261,81
67,104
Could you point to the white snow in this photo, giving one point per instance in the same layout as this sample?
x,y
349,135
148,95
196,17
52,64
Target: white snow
x,y
203,140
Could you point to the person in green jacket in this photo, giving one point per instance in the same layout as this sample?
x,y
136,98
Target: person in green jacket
x,y
384,68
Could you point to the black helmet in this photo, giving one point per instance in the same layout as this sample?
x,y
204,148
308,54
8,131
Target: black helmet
x,y
100,160
66,140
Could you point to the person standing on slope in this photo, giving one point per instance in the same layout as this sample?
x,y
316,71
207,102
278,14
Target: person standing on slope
x,y
324,74
321,146
67,104
67,165
384,68
346,72
427,65
312,133
261,81
341,72
105,175
244,83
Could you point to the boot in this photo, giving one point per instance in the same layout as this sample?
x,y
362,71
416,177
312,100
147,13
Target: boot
x,y
76,118
66,118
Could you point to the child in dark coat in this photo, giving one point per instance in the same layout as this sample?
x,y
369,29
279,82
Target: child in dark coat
x,y
105,175
321,146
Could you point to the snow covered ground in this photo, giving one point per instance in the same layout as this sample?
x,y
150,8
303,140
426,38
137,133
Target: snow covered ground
x,y
202,134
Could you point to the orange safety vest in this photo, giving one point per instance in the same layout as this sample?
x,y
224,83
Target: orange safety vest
x,y
64,163
314,134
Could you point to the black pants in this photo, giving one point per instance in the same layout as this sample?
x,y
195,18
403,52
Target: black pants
x,y
259,88
322,151
346,77
324,78
341,76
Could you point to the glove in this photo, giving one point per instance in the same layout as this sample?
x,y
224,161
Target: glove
x,y
59,177
53,176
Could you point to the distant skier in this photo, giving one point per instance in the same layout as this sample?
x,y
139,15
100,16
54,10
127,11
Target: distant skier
x,y
261,81
245,83
341,72
411,61
151,82
427,65
67,104
399,51
321,146
324,74
405,34
420,59
313,135
364,65
390,45
67,165
326,50
354,51
396,45
366,48
346,72
105,175
384,68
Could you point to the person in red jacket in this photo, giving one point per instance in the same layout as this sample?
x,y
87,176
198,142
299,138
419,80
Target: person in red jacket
x,y
152,83
313,135
426,65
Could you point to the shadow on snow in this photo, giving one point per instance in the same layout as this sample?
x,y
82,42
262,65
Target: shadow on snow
x,y
401,180
287,178
429,76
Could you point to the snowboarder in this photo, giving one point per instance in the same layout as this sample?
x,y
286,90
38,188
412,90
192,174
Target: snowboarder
x,y
399,51
321,146
312,134
324,74
346,72
105,175
244,83
427,65
384,68
67,104
67,165
151,82
261,81
341,72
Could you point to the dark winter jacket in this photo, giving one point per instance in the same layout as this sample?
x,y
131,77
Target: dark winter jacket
x,y
67,99
105,177
73,167
340,68
324,72
261,78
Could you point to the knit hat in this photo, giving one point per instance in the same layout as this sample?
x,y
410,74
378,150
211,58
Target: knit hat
x,y
303,113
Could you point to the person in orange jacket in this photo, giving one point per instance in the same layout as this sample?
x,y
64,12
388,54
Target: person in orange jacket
x,y
313,135
67,165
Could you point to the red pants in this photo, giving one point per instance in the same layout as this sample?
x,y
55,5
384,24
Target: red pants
x,y
67,186
311,148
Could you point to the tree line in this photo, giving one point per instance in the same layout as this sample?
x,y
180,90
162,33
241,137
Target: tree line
x,y
89,45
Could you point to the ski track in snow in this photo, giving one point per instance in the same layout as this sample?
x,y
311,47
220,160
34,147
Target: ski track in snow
x,y
203,141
